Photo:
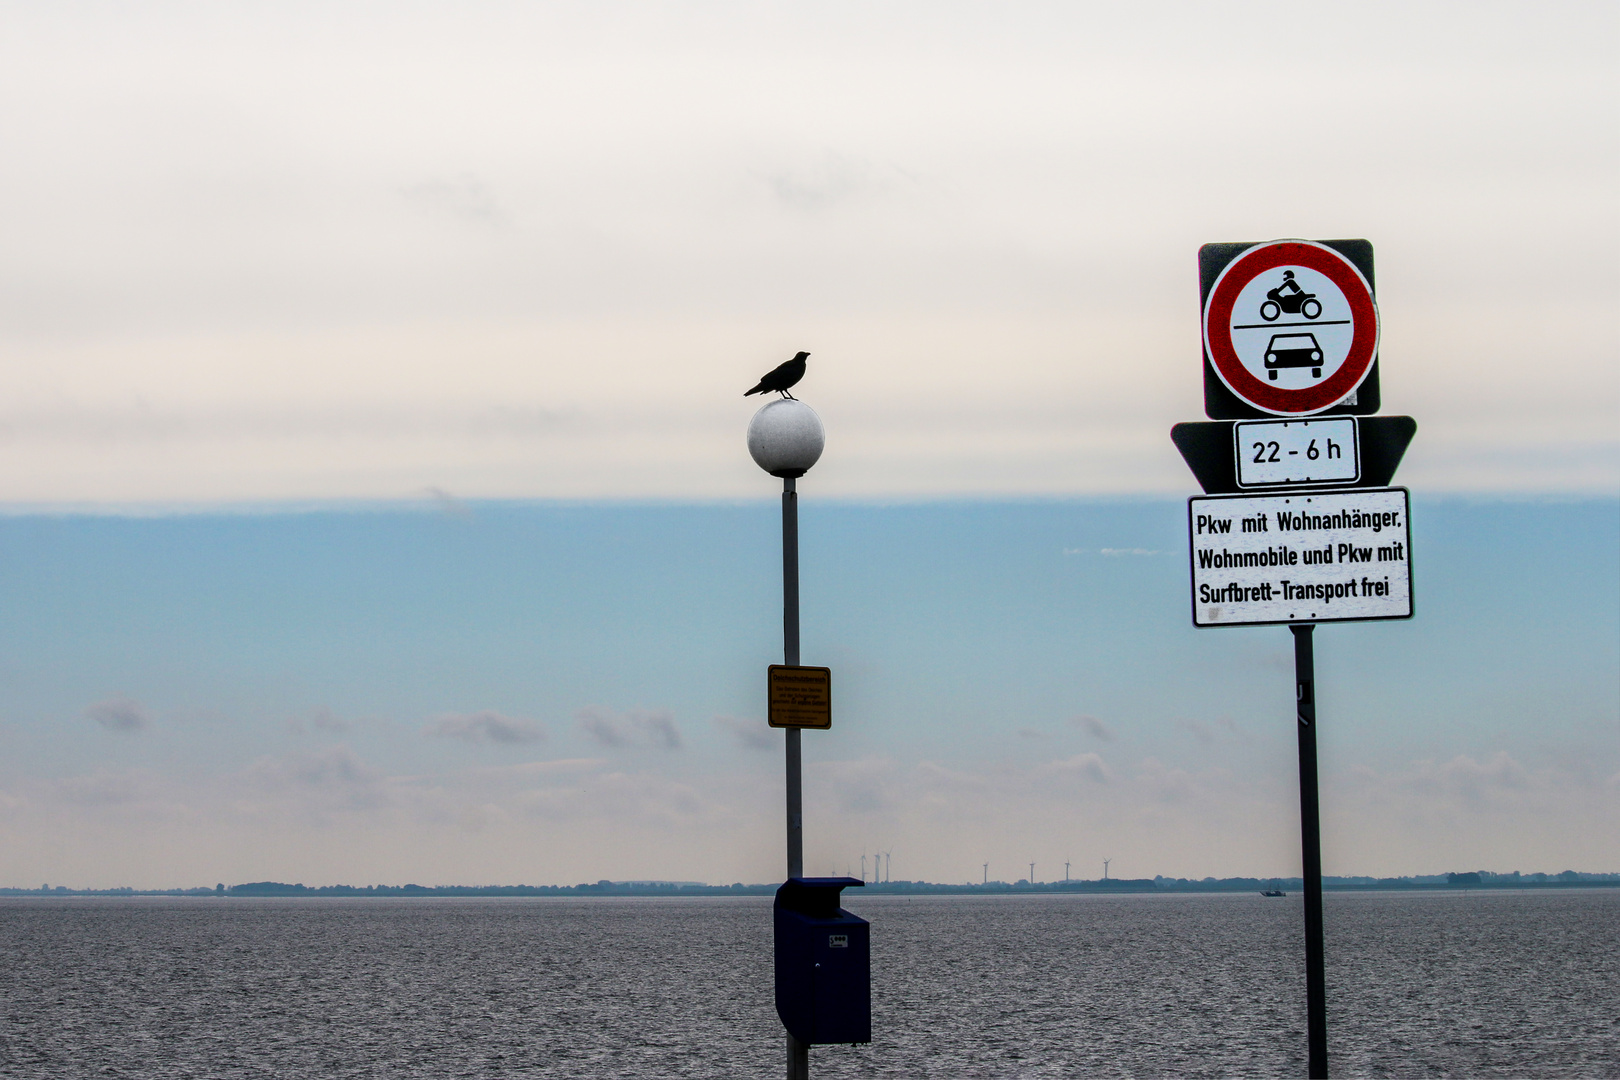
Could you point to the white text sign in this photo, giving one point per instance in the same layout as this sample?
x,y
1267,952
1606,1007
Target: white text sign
x,y
1301,557
1297,452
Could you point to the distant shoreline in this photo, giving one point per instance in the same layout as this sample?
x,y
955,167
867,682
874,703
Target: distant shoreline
x,y
1112,886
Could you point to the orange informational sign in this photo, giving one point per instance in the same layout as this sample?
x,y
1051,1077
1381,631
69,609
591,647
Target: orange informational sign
x,y
800,696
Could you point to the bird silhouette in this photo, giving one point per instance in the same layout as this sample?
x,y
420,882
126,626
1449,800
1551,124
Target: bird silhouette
x,y
780,378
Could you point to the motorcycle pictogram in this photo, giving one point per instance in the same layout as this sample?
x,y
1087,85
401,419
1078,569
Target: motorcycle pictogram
x,y
1289,297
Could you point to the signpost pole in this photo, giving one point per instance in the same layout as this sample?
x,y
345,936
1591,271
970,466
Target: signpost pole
x,y
785,438
790,657
1281,536
798,1053
1311,846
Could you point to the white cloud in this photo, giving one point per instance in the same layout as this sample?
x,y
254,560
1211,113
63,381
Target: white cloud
x,y
486,727
749,734
119,713
812,187
654,803
1490,810
1223,729
325,721
335,767
858,788
600,725
1498,782
464,198
606,728
322,719
1197,729
531,769
1093,727
106,787
1090,766
659,727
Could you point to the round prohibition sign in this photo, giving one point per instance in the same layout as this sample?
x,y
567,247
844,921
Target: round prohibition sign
x,y
1291,327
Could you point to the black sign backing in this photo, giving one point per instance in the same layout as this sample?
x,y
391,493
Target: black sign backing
x,y
1219,402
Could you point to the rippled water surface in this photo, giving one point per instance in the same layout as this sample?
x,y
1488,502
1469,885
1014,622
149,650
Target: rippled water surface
x,y
1459,984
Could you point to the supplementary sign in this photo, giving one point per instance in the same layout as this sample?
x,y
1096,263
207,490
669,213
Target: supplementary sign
x,y
800,696
1291,327
1301,557
1276,452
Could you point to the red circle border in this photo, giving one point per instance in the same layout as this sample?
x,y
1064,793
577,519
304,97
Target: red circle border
x,y
1363,342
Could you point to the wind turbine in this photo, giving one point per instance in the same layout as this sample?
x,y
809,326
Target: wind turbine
x,y
863,868
1065,871
987,873
888,867
1105,868
1032,873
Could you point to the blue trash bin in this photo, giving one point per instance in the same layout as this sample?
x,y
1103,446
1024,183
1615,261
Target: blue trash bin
x,y
823,963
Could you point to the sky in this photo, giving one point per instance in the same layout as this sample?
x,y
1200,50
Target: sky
x,y
552,693
373,500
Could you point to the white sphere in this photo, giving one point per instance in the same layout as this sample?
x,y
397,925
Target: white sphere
x,y
786,437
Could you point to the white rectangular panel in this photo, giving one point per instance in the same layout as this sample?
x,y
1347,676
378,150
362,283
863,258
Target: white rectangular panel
x,y
1297,452
1325,556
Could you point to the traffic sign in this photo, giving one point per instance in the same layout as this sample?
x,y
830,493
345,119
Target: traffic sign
x,y
1274,453
1325,556
1212,448
799,697
1290,328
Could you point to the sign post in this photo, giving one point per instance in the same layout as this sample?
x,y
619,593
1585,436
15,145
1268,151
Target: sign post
x,y
823,958
785,438
790,659
1297,525
1310,831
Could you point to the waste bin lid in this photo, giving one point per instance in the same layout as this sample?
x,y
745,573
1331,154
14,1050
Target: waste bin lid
x,y
814,896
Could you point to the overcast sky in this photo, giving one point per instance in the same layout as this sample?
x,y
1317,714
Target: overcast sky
x,y
435,320
344,250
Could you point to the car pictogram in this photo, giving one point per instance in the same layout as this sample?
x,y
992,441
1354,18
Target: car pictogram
x,y
1291,351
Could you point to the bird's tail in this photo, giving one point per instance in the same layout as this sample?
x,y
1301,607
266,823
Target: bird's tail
x,y
760,389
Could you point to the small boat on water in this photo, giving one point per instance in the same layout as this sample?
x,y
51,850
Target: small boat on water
x,y
1275,890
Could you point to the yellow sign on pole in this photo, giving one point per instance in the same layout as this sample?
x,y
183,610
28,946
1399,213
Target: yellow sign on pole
x,y
800,697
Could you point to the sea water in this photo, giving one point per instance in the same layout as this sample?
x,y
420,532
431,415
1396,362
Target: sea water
x,y
1419,984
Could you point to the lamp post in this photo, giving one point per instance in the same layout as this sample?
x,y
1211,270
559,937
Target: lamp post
x,y
785,438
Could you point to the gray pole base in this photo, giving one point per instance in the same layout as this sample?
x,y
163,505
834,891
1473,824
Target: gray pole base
x,y
798,1059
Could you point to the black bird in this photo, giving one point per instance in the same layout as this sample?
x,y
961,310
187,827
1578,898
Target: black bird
x,y
779,379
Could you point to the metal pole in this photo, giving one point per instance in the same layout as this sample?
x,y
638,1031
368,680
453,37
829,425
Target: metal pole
x,y
798,1053
790,657
1310,828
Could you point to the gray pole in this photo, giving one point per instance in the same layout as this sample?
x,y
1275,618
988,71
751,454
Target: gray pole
x,y
790,657
798,1053
1310,828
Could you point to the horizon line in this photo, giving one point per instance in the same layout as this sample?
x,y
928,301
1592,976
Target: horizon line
x,y
1454,877
451,505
